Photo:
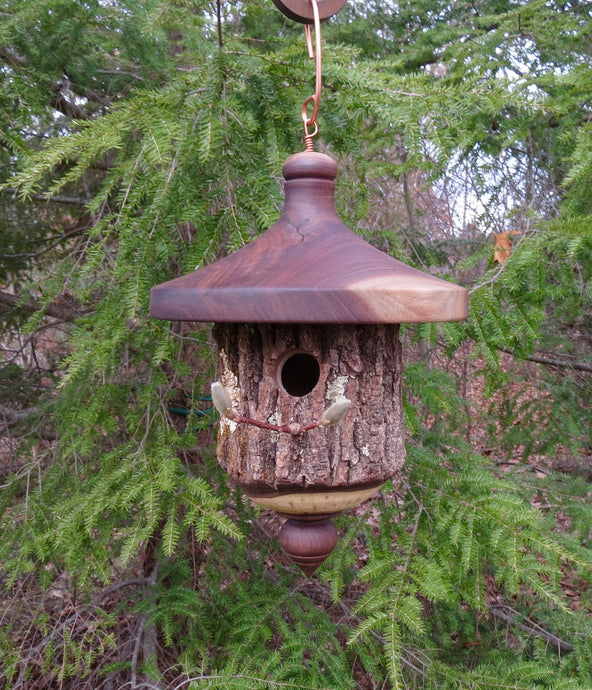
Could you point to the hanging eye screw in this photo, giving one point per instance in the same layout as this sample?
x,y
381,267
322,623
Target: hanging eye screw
x,y
308,136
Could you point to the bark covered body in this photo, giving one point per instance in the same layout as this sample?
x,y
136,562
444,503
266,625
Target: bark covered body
x,y
359,362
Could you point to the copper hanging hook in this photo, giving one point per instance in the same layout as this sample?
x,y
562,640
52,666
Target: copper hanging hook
x,y
317,55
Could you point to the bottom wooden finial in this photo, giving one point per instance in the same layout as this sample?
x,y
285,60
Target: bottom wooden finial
x,y
308,540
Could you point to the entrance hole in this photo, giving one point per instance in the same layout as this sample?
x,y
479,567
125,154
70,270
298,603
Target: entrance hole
x,y
299,374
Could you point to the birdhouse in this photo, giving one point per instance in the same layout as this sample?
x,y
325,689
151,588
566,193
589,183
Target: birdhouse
x,y
309,358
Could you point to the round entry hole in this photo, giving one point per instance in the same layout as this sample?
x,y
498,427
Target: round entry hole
x,y
299,374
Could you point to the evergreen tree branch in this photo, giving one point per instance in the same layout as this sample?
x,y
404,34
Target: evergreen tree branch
x,y
320,593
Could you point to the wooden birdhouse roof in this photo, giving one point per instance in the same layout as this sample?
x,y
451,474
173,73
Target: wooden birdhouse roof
x,y
309,268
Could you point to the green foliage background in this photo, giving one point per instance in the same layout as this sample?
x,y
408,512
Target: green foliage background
x,y
140,140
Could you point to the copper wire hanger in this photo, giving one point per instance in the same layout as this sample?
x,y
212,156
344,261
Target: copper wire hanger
x,y
315,54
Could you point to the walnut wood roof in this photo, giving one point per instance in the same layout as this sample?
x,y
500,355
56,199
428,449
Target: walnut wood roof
x,y
309,268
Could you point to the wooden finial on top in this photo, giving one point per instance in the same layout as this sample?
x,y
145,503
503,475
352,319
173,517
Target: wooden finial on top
x,y
309,268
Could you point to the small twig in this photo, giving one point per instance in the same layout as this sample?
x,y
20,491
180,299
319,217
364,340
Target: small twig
x,y
239,676
508,615
490,280
55,241
136,653
223,403
145,641
293,428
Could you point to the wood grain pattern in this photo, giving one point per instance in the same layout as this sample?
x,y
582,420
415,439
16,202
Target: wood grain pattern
x,y
309,268
291,502
308,543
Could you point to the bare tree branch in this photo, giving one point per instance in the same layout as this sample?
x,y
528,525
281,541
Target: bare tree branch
x,y
55,241
9,418
509,615
56,311
13,417
551,362
58,199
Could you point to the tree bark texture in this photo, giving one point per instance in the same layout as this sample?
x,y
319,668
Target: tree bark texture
x,y
359,362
